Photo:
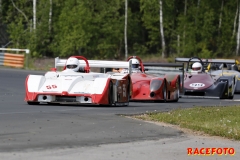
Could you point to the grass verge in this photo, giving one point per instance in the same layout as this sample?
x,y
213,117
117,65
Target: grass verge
x,y
214,121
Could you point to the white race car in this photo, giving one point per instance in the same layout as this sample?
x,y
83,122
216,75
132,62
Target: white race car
x,y
61,87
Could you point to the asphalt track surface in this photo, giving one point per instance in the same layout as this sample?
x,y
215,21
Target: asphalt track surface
x,y
78,129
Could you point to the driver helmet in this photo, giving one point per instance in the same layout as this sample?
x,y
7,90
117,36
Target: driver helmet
x,y
135,63
72,64
197,67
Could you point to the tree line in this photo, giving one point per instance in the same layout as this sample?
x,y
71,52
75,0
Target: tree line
x,y
107,29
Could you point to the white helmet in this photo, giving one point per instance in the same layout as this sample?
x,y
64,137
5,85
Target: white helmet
x,y
72,64
197,67
135,63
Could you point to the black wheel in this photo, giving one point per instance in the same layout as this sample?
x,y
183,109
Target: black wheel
x,y
230,97
177,94
231,93
129,90
110,95
33,103
53,104
164,92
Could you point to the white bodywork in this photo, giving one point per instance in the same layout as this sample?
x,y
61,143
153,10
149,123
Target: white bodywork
x,y
57,86
92,83
73,83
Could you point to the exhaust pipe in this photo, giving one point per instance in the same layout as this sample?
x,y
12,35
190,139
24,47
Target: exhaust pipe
x,y
85,98
44,98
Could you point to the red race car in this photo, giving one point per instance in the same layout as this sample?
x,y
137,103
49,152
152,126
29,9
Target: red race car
x,y
155,82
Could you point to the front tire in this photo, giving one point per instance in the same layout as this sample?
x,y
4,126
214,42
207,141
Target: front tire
x,y
164,92
232,93
230,97
53,104
177,94
110,95
129,91
33,103
231,88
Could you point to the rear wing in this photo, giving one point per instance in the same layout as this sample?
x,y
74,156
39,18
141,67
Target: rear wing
x,y
165,68
163,64
207,62
187,59
230,61
96,63
230,64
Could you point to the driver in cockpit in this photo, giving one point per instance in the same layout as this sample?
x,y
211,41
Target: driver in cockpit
x,y
135,66
197,67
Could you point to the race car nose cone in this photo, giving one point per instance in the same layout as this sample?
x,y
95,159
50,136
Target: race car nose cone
x,y
64,93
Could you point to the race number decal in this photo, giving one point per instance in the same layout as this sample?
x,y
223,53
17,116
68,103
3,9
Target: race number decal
x,y
50,87
54,86
197,85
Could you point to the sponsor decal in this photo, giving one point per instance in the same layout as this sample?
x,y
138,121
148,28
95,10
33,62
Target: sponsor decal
x,y
210,151
95,76
197,85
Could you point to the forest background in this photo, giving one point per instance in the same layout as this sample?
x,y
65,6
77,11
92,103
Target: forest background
x,y
115,29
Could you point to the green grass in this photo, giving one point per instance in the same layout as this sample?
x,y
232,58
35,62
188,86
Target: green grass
x,y
215,121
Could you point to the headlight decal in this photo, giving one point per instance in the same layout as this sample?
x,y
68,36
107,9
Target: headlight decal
x,y
155,84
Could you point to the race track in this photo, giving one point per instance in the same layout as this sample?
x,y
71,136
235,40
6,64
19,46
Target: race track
x,y
26,127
